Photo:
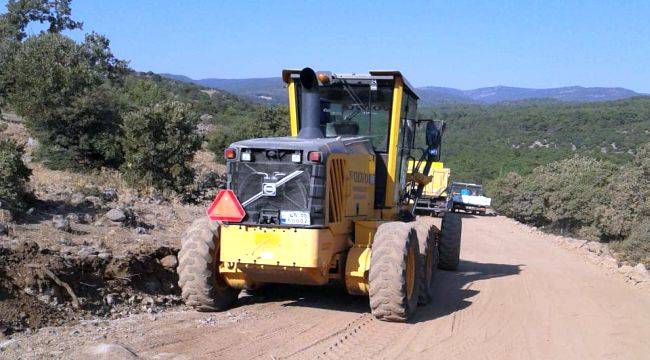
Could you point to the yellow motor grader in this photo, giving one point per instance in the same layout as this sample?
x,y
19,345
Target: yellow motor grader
x,y
331,202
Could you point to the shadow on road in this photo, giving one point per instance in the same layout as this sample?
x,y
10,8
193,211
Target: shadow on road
x,y
451,292
332,297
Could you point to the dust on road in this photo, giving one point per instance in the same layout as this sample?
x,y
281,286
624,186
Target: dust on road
x,y
516,295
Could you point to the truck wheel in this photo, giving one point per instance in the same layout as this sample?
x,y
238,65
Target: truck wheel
x,y
202,287
449,246
428,259
394,279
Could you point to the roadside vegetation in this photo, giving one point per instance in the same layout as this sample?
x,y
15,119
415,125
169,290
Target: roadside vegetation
x,y
592,199
88,111
13,176
264,122
576,169
159,143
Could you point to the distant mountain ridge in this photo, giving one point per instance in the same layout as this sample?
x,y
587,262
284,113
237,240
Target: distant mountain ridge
x,y
497,94
272,90
265,90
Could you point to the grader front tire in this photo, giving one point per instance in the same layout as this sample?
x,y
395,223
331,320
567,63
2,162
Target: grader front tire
x,y
394,279
202,287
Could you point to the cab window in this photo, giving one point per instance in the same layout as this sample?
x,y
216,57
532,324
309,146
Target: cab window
x,y
356,108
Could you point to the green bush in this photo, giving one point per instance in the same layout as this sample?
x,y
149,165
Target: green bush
x,y
588,198
266,122
512,200
13,176
7,49
562,194
159,143
636,248
64,92
141,91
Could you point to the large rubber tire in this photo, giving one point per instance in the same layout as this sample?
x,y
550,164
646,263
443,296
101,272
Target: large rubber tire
x,y
427,242
449,245
198,274
394,277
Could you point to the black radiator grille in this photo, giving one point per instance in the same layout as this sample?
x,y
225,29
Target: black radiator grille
x,y
304,192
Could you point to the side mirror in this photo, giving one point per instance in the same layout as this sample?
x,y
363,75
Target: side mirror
x,y
433,133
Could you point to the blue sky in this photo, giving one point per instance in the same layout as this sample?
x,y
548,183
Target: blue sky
x,y
462,44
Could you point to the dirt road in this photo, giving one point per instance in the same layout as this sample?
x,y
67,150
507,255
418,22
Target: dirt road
x,y
517,295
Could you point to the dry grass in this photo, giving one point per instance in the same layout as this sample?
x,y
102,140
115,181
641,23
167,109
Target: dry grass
x,y
55,187
204,161
55,181
14,129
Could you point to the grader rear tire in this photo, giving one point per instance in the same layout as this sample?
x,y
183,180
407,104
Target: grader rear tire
x,y
427,234
394,279
449,245
202,287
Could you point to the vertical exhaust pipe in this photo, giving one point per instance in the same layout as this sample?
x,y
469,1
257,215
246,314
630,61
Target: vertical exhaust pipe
x,y
310,106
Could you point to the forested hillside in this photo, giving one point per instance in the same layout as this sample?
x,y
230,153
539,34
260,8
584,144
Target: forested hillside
x,y
484,142
481,143
262,90
207,100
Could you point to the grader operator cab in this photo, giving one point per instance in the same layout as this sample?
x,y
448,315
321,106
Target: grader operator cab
x,y
331,202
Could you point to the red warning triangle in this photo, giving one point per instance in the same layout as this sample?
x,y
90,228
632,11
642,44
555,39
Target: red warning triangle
x,y
226,207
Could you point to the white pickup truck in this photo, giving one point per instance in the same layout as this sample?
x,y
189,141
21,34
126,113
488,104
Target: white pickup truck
x,y
469,198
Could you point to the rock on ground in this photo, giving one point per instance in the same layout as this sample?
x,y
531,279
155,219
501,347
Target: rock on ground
x,y
625,269
112,351
641,272
9,344
60,223
595,247
77,199
5,215
109,194
116,215
96,201
169,262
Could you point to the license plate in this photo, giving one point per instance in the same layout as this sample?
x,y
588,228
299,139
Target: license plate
x,y
295,218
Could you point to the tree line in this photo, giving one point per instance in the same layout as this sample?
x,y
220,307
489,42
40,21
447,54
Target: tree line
x,y
483,142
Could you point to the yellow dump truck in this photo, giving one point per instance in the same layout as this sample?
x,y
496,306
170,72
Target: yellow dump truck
x,y
434,196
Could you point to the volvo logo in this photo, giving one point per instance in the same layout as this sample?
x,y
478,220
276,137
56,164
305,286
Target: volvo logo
x,y
268,189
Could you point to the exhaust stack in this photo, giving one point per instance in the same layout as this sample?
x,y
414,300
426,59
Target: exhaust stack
x,y
310,106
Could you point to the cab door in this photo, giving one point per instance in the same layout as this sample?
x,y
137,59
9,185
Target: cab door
x,y
408,120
